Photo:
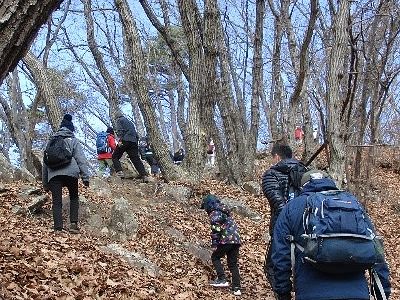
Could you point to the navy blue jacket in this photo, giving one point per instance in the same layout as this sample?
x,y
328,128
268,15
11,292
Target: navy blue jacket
x,y
309,283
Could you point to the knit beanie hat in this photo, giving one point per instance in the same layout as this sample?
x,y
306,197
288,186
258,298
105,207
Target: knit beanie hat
x,y
110,130
67,122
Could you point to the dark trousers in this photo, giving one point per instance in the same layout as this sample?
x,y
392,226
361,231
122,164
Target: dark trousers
x,y
268,266
55,185
232,253
132,150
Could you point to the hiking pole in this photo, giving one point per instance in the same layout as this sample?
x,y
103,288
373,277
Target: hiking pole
x,y
311,159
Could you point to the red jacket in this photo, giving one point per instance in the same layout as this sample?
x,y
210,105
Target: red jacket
x,y
111,143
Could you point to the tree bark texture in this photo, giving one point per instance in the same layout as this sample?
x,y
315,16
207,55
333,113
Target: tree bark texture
x,y
195,135
43,84
336,80
257,85
20,20
140,83
276,93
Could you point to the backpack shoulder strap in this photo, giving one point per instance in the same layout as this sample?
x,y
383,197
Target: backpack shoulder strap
x,y
378,283
293,246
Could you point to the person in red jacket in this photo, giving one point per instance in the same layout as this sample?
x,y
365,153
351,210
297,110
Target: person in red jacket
x,y
105,159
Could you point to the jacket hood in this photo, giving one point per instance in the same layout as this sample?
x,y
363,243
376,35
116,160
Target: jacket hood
x,y
319,185
285,165
212,203
64,132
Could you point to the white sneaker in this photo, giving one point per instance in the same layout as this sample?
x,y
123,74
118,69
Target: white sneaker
x,y
237,292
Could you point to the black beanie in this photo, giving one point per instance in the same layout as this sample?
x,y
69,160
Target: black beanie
x,y
67,122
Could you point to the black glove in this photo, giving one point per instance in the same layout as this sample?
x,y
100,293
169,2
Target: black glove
x,y
86,183
286,296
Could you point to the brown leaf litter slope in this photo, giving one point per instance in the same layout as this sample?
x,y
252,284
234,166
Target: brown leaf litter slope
x,y
36,264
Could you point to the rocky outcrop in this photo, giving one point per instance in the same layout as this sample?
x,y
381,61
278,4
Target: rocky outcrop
x,y
134,259
123,223
8,173
176,193
242,209
252,187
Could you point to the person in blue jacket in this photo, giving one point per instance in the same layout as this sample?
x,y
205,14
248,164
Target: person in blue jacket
x,y
309,283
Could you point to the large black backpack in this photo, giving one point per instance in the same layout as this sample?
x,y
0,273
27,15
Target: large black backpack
x,y
56,155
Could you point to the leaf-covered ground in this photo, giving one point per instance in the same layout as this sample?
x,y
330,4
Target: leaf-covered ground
x,y
37,264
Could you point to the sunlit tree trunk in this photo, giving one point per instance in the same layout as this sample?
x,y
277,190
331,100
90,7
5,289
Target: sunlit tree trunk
x,y
195,138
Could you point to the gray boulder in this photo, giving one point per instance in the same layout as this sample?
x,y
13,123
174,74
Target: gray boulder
x,y
176,193
134,259
252,187
123,222
8,173
242,209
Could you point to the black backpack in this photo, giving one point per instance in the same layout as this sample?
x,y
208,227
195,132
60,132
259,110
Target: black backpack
x,y
294,179
56,155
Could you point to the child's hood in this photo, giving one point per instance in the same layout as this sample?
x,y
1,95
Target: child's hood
x,y
212,203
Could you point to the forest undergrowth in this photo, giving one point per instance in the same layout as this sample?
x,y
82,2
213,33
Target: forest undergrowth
x,y
37,264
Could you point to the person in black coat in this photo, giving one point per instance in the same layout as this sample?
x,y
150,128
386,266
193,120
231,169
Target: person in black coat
x,y
128,142
275,186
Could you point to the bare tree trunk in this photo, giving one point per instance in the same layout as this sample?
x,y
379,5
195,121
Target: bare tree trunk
x,y
276,85
42,80
257,86
195,141
163,30
336,130
140,82
177,142
98,58
300,63
20,22
20,121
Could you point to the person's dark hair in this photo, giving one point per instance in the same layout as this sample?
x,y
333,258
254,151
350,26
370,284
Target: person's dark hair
x,y
110,130
283,150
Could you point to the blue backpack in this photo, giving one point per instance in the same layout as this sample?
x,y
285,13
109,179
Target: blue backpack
x,y
102,143
339,237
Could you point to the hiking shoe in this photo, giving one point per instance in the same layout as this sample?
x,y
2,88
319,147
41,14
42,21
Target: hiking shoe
x,y
145,179
59,231
219,283
236,291
73,228
120,174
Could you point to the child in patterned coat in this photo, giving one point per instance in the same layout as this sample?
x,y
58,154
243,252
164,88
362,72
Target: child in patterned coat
x,y
225,241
